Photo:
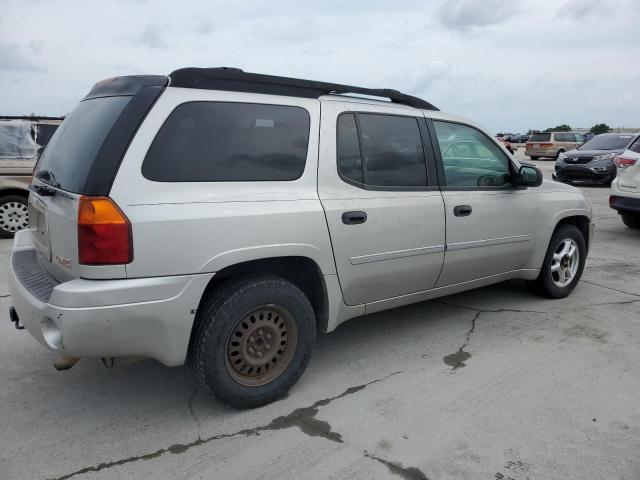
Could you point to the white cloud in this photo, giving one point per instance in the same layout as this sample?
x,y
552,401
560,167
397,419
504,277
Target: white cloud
x,y
13,58
465,15
507,68
152,36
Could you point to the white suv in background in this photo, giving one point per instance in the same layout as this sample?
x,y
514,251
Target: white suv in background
x,y
625,189
222,218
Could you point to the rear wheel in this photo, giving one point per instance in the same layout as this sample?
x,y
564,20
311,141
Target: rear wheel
x,y
253,339
631,220
563,263
14,215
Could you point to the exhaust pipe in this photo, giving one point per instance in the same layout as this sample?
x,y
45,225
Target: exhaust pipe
x,y
64,363
114,362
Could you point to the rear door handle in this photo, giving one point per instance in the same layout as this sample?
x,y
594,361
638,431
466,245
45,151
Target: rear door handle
x,y
462,210
354,218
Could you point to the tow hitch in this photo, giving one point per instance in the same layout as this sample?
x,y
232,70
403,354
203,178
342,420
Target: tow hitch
x,y
13,316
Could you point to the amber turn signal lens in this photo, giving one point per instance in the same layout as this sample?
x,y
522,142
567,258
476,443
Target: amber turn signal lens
x,y
104,233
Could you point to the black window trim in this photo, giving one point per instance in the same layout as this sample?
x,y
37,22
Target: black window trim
x,y
440,164
306,163
430,167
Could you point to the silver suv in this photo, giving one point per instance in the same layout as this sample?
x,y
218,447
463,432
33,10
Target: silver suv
x,y
222,218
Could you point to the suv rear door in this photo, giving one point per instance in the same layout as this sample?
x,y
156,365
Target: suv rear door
x,y
378,188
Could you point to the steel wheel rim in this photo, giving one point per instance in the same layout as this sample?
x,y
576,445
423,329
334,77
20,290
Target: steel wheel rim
x,y
14,216
565,262
261,345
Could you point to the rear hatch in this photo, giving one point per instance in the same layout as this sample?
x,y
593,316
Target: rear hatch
x,y
82,159
538,142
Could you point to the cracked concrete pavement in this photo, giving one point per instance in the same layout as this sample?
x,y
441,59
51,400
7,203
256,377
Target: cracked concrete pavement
x,y
495,383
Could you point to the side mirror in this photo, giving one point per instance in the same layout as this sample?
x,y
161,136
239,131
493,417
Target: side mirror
x,y
528,176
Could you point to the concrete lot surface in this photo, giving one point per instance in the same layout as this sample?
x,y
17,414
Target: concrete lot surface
x,y
491,384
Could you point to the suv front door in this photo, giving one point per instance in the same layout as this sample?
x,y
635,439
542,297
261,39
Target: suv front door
x,y
489,223
377,184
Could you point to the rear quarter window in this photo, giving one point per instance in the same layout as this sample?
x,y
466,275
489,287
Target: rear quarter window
x,y
229,142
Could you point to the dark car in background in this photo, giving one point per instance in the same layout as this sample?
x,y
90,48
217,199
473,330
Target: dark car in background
x,y
593,161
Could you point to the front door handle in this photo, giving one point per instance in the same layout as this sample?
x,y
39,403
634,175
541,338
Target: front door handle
x,y
354,218
462,210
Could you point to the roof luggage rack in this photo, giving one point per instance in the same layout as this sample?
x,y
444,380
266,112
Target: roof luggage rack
x,y
236,80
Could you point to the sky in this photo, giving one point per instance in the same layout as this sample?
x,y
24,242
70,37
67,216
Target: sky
x,y
508,65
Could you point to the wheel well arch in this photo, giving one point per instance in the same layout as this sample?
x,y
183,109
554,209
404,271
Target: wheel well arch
x,y
582,222
301,271
13,191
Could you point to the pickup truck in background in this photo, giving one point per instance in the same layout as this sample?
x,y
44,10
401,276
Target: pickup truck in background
x,y
22,139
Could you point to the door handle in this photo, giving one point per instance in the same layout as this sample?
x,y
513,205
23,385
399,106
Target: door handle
x,y
462,210
354,218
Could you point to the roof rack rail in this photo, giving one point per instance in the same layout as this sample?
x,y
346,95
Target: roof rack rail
x,y
236,80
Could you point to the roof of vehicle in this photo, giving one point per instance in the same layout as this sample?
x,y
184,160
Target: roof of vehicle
x,y
234,79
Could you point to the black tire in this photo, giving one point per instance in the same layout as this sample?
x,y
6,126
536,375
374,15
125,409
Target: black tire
x,y
220,316
631,220
9,225
534,158
544,285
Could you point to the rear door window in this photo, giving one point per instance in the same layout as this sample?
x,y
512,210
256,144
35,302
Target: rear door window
x,y
229,142
382,151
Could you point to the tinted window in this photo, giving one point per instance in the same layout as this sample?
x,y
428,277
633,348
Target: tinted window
x,y
229,142
540,137
70,154
470,158
392,151
349,160
607,142
636,146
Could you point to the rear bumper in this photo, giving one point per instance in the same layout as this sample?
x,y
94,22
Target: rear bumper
x,y
148,317
534,152
584,173
624,204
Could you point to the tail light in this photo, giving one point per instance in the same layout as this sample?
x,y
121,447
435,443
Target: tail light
x,y
529,145
624,162
546,145
104,233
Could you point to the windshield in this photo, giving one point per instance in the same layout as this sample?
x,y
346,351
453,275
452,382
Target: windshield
x,y
69,156
607,142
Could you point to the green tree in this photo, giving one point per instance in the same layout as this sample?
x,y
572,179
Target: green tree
x,y
599,128
560,128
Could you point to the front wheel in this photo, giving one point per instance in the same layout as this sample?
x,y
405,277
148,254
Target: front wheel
x,y
563,263
253,339
631,220
14,215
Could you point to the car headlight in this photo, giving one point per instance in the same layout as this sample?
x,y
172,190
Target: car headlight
x,y
606,156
